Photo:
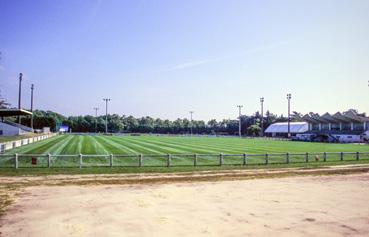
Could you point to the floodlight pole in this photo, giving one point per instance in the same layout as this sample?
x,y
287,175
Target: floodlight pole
x,y
32,88
239,122
262,116
96,109
20,94
191,112
106,114
289,114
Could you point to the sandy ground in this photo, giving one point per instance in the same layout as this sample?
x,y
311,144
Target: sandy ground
x,y
292,206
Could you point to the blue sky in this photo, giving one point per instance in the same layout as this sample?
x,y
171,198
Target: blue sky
x,y
165,58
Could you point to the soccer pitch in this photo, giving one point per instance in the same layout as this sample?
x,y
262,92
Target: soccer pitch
x,y
96,150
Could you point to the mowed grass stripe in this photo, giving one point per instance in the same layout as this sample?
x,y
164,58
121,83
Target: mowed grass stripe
x,y
40,147
182,148
208,148
136,147
159,147
115,147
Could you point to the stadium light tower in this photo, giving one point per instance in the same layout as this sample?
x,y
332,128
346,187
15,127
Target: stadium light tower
x,y
32,88
239,121
106,114
191,112
289,113
96,109
262,116
20,94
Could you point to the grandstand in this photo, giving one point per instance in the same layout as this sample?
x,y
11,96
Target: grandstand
x,y
347,126
8,128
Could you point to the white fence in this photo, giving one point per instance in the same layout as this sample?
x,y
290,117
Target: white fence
x,y
172,160
17,143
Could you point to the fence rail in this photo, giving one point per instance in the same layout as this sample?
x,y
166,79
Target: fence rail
x,y
171,160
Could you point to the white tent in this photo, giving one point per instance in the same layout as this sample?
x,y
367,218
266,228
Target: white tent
x,y
295,127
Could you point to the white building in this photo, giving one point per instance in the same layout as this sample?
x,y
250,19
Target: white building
x,y
281,129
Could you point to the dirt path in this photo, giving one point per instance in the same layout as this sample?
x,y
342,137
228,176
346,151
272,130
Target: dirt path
x,y
296,206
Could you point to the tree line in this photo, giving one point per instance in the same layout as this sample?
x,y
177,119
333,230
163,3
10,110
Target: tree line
x,y
250,124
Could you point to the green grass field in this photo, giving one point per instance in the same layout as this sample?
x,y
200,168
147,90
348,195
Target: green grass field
x,y
155,148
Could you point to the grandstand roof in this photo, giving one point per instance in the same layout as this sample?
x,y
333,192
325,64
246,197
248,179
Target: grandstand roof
x,y
345,117
295,127
14,112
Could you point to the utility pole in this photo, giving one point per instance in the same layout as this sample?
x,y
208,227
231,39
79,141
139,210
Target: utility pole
x,y
32,88
289,113
262,116
239,122
20,94
96,109
106,114
191,112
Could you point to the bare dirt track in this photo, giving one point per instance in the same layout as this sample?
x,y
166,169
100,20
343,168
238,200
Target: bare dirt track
x,y
335,205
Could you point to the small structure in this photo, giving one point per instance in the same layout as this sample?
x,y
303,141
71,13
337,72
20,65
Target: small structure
x,y
281,129
8,128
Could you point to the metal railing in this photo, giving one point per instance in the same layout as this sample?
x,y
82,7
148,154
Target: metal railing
x,y
172,160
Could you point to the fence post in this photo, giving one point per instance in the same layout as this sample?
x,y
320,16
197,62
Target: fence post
x,y
357,155
16,160
325,156
48,160
80,161
168,160
307,157
266,158
140,160
220,159
287,158
245,159
341,156
195,160
111,160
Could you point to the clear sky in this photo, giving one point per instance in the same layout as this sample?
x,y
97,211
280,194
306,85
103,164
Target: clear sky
x,y
165,58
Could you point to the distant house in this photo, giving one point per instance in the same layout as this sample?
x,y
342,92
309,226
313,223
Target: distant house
x,y
281,129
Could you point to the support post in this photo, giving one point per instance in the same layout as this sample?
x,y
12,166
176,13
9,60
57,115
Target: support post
x,y
325,156
111,160
307,157
195,160
287,158
140,156
245,159
48,160
266,158
220,159
16,160
341,156
168,160
80,161
357,155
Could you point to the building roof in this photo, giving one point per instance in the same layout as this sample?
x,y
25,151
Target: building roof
x,y
295,127
14,112
345,117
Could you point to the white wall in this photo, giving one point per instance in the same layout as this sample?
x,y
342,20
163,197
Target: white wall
x,y
13,144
